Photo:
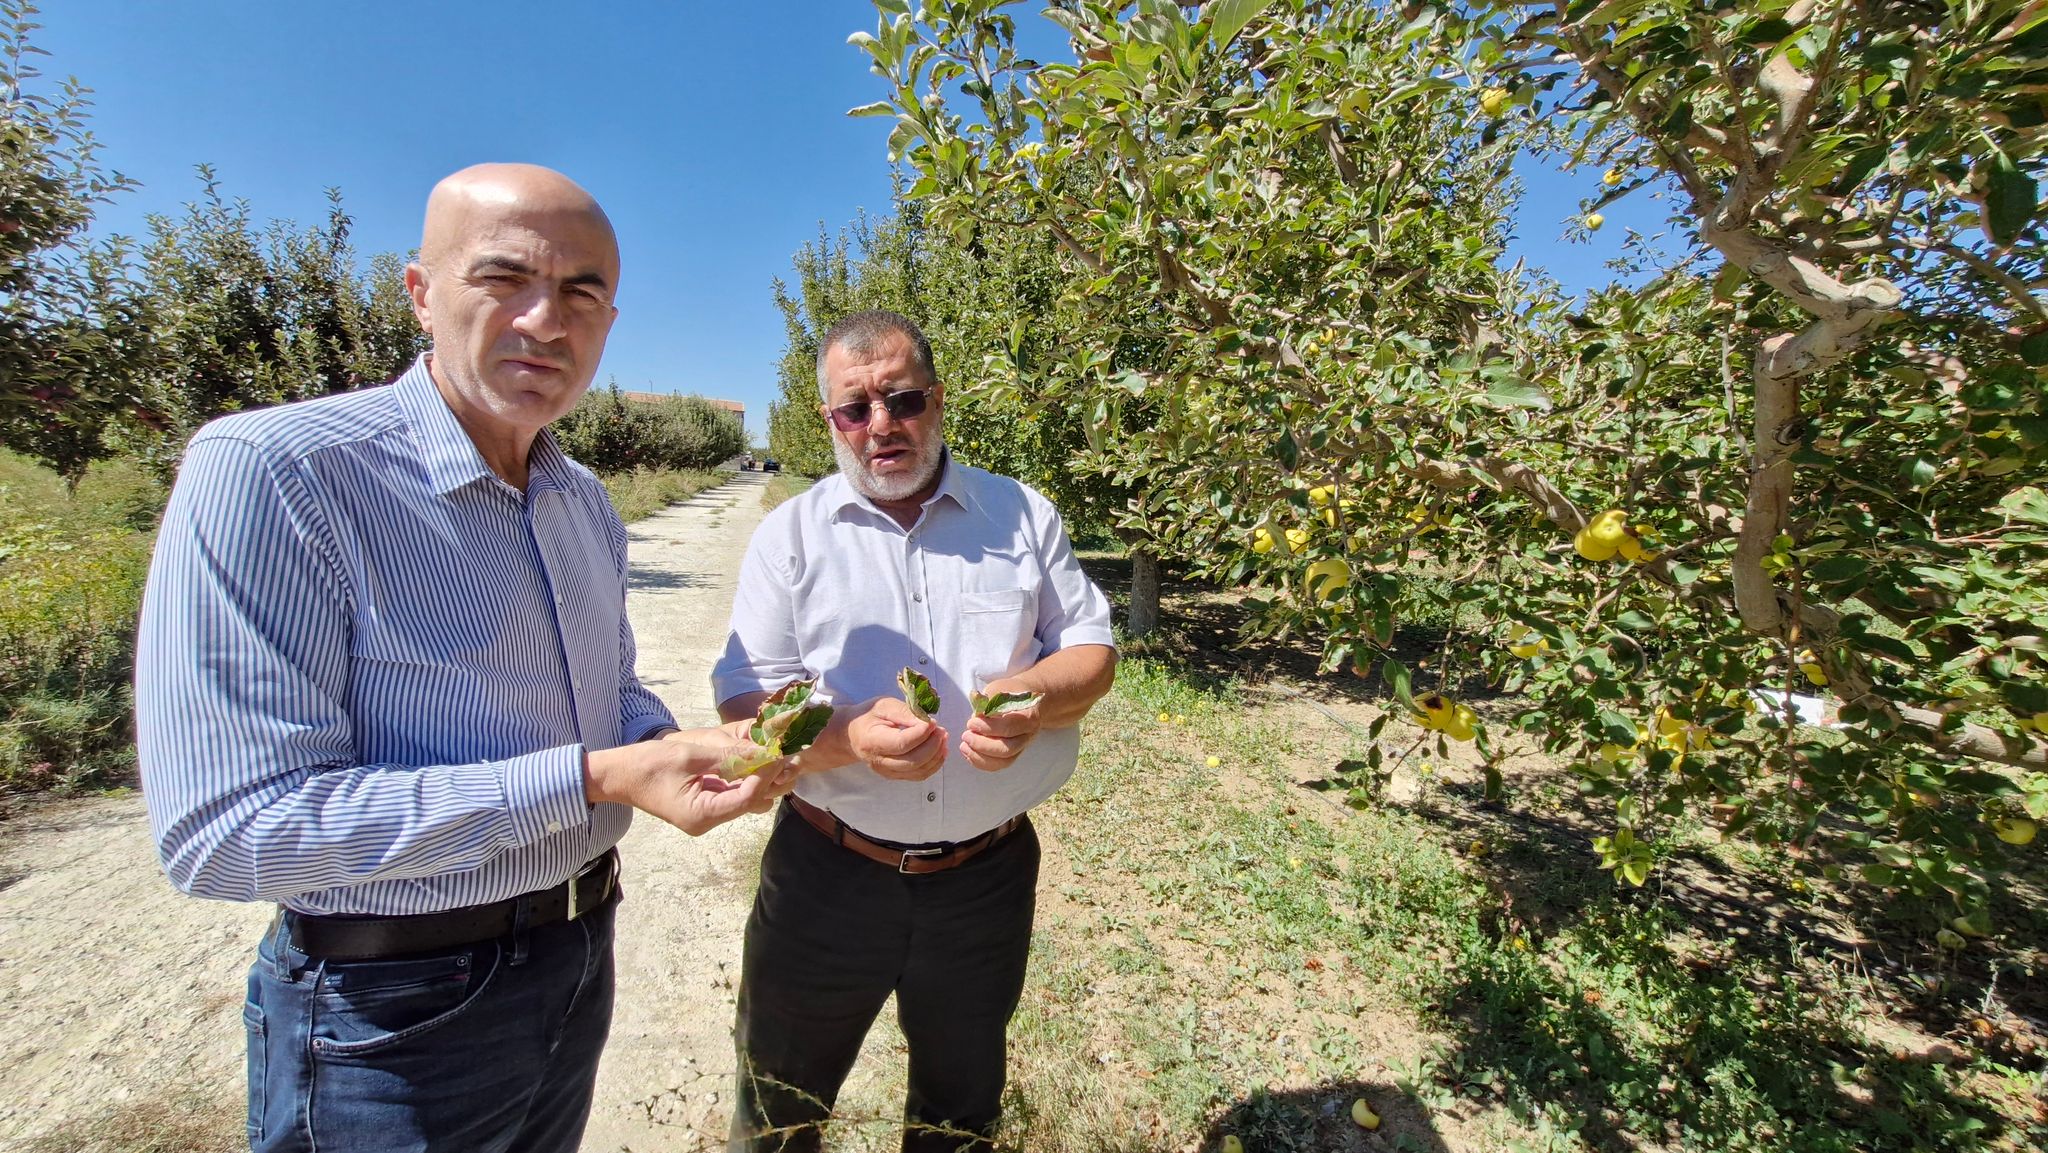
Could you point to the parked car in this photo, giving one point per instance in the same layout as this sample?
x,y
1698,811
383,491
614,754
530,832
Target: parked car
x,y
771,465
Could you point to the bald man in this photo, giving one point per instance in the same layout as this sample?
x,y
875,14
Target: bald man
x,y
385,681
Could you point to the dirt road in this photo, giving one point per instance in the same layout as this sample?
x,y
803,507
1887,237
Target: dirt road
x,y
120,999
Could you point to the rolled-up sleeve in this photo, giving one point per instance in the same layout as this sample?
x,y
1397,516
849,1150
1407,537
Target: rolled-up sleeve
x,y
248,756
1071,609
762,651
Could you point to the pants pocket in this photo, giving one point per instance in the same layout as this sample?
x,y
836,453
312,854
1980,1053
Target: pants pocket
x,y
258,1066
361,1007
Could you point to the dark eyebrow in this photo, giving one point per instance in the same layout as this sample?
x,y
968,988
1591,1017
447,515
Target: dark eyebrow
x,y
502,264
520,267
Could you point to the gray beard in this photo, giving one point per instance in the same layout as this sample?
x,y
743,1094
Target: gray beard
x,y
901,486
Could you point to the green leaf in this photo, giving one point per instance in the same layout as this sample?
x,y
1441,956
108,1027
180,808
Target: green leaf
x,y
1397,676
878,108
1768,31
1510,392
2010,201
1635,871
918,693
1228,17
1617,728
1838,568
996,704
1286,451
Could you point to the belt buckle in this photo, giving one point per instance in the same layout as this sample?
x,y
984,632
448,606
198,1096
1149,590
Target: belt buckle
x,y
609,861
903,866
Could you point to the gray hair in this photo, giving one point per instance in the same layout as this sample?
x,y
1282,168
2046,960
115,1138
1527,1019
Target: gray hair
x,y
862,332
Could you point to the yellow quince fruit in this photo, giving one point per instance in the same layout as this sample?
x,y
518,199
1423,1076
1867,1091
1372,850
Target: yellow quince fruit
x,y
1363,1116
1809,665
1493,101
2014,830
1463,725
1602,536
1593,221
1322,494
1520,647
1328,577
1262,540
1611,177
1437,711
1297,539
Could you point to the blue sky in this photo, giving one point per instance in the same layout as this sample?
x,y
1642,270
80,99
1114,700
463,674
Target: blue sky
x,y
714,134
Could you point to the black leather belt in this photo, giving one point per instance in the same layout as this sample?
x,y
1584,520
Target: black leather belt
x,y
344,938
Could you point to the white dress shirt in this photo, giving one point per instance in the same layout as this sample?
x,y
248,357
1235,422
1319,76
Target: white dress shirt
x,y
982,586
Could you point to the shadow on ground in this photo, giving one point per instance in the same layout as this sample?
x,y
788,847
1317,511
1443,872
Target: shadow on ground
x,y
1318,1119
1723,1006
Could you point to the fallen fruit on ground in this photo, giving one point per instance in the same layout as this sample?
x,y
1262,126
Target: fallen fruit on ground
x,y
1215,762
1231,1144
1362,1114
2014,830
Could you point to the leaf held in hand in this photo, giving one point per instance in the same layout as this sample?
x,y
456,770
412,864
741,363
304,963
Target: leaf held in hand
x,y
996,704
918,693
786,723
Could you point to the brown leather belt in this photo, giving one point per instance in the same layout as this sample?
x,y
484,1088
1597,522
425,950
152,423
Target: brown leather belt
x,y
914,860
344,938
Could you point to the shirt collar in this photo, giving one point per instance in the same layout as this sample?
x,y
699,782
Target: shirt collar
x,y
452,459
954,484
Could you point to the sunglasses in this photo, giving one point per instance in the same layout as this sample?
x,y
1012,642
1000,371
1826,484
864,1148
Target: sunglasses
x,y
903,405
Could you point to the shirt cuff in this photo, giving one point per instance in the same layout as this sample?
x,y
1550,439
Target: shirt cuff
x,y
1080,635
637,729
545,793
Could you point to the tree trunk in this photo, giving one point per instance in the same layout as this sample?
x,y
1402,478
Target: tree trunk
x,y
1144,612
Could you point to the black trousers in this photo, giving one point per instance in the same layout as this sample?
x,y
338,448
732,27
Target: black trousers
x,y
831,936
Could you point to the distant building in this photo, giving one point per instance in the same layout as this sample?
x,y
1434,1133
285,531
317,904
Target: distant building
x,y
731,406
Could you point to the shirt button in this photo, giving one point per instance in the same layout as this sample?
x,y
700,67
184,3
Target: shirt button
x,y
918,597
931,796
924,660
554,826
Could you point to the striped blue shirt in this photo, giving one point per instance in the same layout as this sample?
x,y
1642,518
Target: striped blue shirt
x,y
368,669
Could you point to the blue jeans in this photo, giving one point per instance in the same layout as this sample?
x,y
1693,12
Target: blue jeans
x,y
490,1047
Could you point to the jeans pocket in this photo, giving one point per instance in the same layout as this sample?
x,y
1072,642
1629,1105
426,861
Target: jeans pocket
x,y
258,1062
362,1007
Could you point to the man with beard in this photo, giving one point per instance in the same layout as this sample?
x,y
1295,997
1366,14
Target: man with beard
x,y
903,862
385,679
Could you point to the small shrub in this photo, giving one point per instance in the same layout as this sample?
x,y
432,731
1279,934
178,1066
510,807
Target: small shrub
x,y
67,652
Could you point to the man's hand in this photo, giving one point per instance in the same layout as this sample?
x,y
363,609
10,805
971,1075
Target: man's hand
x,y
894,742
676,778
992,744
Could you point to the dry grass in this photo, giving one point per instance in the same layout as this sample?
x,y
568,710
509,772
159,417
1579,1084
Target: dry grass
x,y
184,1123
644,492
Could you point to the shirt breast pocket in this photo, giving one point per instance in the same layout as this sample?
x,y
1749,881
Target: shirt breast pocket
x,y
998,632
